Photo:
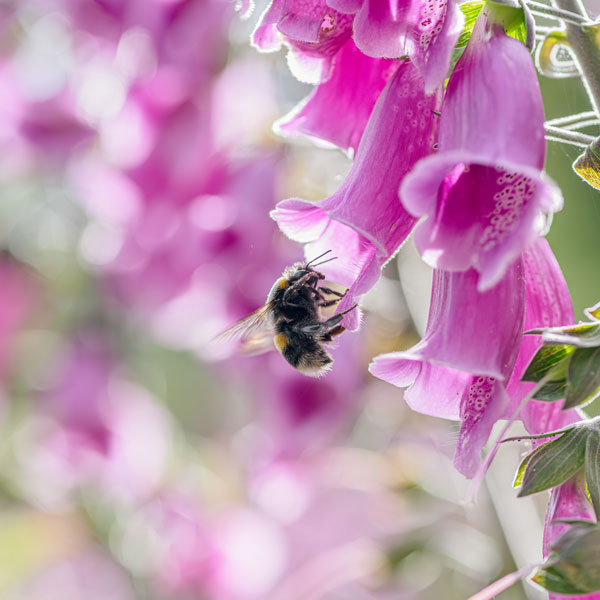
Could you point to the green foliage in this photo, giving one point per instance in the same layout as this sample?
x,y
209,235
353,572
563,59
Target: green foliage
x,y
587,166
583,377
552,463
470,11
573,566
592,469
568,364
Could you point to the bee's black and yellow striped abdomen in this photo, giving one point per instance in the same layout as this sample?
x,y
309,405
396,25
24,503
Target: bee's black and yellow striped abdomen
x,y
303,352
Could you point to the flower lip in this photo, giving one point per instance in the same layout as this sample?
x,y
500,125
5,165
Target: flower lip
x,y
497,216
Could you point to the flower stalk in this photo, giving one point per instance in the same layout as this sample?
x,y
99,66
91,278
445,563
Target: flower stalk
x,y
585,44
568,16
561,134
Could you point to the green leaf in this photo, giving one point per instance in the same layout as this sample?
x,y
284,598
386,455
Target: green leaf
x,y
554,581
549,359
553,391
471,11
592,469
518,481
583,335
554,462
575,558
583,377
593,312
587,166
573,566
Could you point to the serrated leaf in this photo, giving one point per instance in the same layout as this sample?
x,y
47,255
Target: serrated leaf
x,y
587,166
593,312
592,469
552,392
549,359
583,377
554,581
554,462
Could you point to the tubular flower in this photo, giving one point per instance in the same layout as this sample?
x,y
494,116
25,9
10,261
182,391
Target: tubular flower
x,y
547,304
482,193
425,31
337,110
459,369
363,222
313,31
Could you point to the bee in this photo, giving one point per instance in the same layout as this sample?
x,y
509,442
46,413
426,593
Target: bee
x,y
291,320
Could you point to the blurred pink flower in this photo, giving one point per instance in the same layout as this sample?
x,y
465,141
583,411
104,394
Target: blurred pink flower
x,y
363,222
104,431
232,553
90,574
482,193
299,416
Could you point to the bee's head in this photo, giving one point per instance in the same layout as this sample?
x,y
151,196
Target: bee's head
x,y
296,271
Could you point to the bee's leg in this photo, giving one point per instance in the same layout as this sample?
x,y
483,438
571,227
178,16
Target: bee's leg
x,y
327,337
336,330
326,303
326,326
326,290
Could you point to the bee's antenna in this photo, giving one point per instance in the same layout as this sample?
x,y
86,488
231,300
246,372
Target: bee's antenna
x,y
325,261
318,257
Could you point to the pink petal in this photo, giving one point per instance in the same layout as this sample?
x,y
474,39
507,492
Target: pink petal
x,y
338,109
506,123
437,27
313,31
547,304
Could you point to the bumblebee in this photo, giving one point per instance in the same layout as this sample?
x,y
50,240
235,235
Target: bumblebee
x,y
291,320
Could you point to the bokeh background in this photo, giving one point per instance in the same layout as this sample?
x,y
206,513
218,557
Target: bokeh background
x,y
140,461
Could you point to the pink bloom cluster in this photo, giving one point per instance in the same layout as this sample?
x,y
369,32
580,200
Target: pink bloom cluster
x,y
461,166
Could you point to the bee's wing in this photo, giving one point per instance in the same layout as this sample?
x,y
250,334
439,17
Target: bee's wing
x,y
255,332
258,344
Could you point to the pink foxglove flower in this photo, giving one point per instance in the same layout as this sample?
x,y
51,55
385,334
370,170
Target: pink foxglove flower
x,y
338,109
460,368
313,31
363,222
482,193
425,31
547,304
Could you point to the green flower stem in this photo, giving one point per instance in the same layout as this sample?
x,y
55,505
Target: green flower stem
x,y
574,138
544,10
585,44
